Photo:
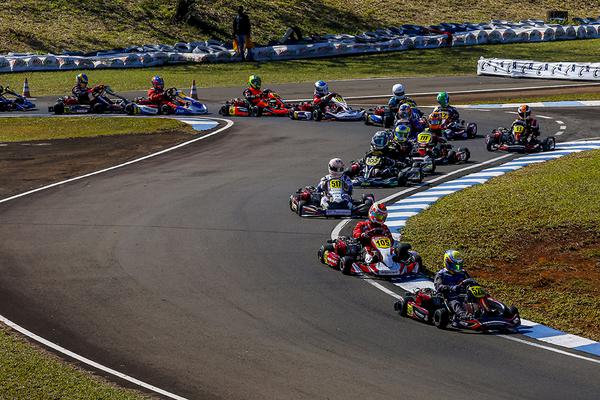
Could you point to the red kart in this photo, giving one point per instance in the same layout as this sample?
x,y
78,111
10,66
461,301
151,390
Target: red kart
x,y
271,104
514,140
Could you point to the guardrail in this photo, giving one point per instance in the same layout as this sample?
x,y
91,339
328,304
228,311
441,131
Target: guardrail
x,y
537,69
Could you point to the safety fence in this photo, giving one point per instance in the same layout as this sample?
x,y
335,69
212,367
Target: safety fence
x,y
537,69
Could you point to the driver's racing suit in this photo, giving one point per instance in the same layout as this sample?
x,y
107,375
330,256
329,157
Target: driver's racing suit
x,y
321,100
84,96
395,102
532,129
453,115
323,189
448,285
159,98
364,231
254,96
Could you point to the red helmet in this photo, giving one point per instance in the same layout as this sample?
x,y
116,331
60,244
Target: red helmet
x,y
378,213
157,82
524,111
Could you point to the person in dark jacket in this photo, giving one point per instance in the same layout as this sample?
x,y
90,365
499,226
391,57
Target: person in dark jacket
x,y
241,32
448,282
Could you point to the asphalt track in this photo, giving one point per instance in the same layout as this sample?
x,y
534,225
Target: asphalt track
x,y
188,271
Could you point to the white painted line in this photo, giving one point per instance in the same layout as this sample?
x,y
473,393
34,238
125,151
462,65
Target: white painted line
x,y
61,349
408,206
411,199
396,224
402,214
451,187
563,127
558,133
544,117
437,193
567,340
541,346
383,288
487,173
560,122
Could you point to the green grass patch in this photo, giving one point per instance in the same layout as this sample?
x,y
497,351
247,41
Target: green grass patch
x,y
30,128
435,62
56,25
532,236
30,373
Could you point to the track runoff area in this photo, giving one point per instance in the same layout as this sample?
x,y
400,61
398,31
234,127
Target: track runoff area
x,y
249,144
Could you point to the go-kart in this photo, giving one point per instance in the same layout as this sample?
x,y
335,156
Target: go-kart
x,y
390,259
383,116
270,105
439,150
14,103
336,110
513,140
440,124
306,202
185,105
486,313
100,99
380,171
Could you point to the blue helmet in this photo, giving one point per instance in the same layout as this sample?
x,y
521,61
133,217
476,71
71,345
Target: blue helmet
x,y
401,133
453,261
82,79
405,112
321,87
380,140
157,82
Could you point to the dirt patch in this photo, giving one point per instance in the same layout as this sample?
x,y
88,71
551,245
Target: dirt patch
x,y
25,166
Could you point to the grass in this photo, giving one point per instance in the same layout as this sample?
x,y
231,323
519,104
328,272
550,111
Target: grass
x,y
57,25
532,236
31,128
30,373
438,62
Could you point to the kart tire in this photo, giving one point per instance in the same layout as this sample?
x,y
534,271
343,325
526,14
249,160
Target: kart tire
x,y
402,179
224,111
466,151
511,311
367,120
321,252
489,143
59,109
549,144
301,204
400,306
452,157
317,115
129,109
367,199
388,121
471,130
98,108
346,265
255,111
441,318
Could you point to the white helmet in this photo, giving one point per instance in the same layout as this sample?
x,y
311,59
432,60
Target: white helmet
x,y
336,167
321,87
398,90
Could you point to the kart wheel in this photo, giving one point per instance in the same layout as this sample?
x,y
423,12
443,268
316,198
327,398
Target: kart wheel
x,y
400,306
471,130
346,265
466,152
255,111
301,204
59,108
367,120
98,108
452,157
388,121
548,144
224,111
511,311
440,318
317,115
402,180
322,250
129,109
489,144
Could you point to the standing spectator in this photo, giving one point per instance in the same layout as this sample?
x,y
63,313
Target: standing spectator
x,y
241,33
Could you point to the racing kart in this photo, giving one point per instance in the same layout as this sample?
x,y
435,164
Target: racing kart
x,y
306,202
439,150
347,255
337,110
513,140
379,171
185,105
271,105
383,116
485,312
14,103
439,124
71,105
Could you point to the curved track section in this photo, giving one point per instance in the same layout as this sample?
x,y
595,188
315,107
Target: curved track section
x,y
188,271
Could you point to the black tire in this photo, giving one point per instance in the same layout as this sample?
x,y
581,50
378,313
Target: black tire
x,y
388,121
301,204
441,318
400,306
321,254
98,108
129,109
489,144
367,199
471,130
367,120
317,114
511,311
59,109
255,111
452,157
466,151
549,144
224,111
402,180
346,265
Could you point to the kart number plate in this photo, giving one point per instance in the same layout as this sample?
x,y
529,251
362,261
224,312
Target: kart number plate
x,y
372,161
424,137
383,243
444,115
518,129
477,291
335,184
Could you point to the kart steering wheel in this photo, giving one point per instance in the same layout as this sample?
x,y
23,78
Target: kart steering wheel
x,y
171,92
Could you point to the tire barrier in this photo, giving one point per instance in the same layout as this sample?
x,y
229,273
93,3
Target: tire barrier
x,y
536,69
402,38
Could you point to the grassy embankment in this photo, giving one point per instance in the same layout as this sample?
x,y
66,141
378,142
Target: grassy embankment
x,y
31,128
531,236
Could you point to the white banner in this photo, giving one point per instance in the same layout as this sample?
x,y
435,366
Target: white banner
x,y
537,69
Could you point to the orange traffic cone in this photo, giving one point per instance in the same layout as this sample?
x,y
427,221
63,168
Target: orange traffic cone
x,y
26,89
194,91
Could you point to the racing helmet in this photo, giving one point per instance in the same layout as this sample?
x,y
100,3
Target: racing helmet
x,y
453,261
321,87
398,90
401,133
405,112
380,140
336,167
158,82
378,213
443,99
82,80
254,82
524,111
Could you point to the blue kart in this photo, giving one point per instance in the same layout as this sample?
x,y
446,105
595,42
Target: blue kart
x,y
12,101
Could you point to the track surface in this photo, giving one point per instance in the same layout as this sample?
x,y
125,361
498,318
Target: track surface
x,y
189,271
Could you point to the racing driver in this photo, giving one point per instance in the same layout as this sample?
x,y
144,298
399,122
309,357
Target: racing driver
x,y
336,170
448,282
374,226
